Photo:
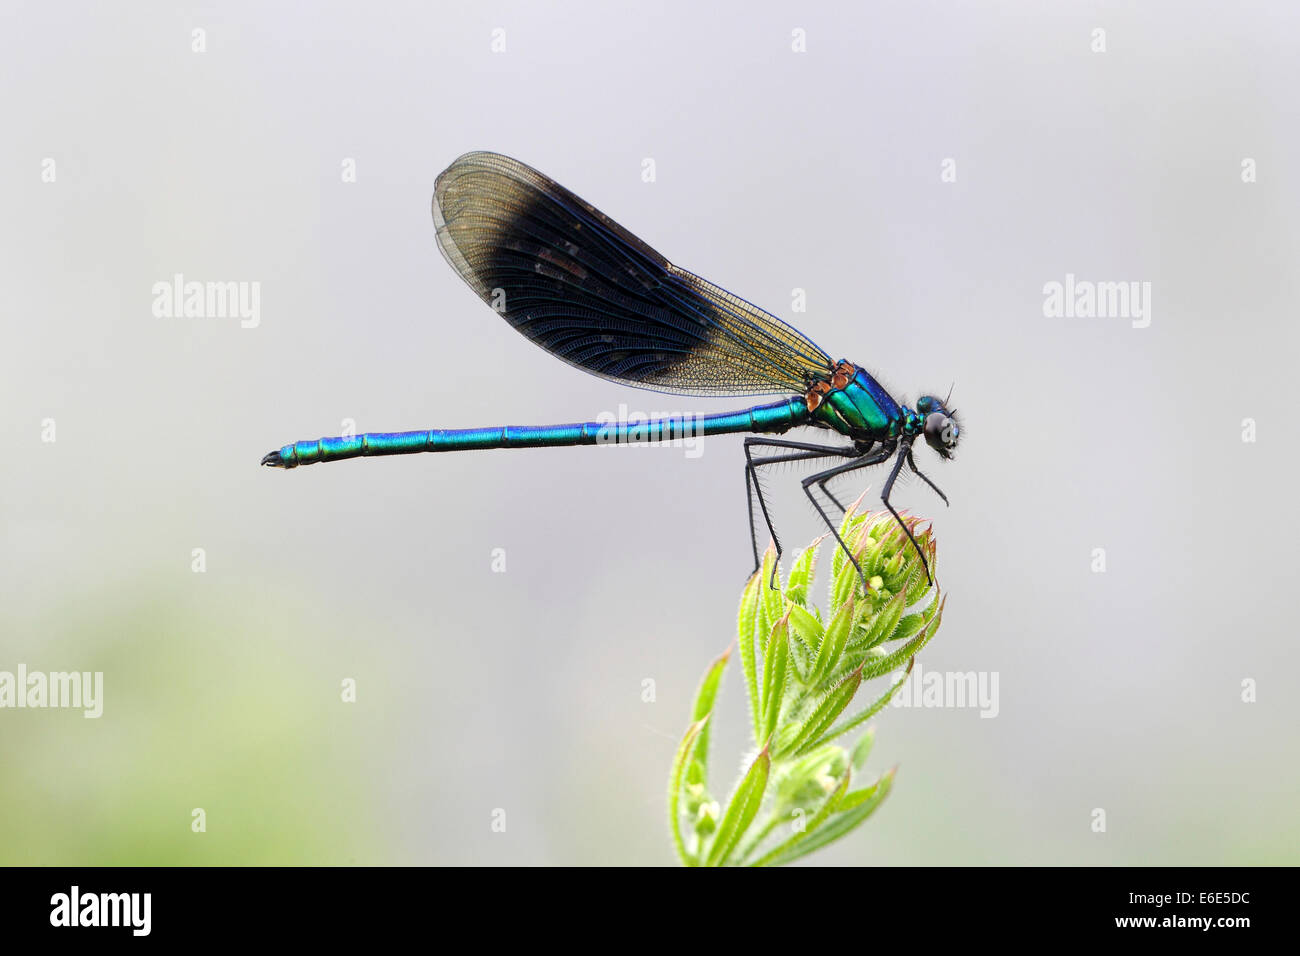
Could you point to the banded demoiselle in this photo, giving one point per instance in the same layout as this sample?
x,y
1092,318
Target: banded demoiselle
x,y
591,293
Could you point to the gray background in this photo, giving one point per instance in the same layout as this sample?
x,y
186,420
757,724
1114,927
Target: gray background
x,y
776,170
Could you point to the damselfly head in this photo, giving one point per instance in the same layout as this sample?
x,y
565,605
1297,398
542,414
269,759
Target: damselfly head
x,y
942,430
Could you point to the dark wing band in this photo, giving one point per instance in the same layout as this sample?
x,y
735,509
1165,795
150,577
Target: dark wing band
x,y
593,294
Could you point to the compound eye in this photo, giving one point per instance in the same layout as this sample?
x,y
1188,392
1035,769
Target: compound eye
x,y
940,432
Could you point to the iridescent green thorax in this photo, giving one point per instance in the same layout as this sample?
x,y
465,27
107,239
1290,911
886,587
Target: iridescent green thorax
x,y
913,422
855,404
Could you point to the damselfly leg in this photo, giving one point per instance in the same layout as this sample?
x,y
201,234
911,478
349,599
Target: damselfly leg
x,y
906,455
917,471
865,460
798,451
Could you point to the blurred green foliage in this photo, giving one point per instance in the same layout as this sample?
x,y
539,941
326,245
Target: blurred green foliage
x,y
203,708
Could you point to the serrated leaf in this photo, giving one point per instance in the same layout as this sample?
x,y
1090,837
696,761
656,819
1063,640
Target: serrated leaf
x,y
850,529
856,798
911,623
862,749
773,599
695,775
853,809
867,712
808,764
763,622
745,626
816,820
675,781
932,556
893,538
801,783
741,809
885,621
708,690
908,625
918,584
775,675
784,737
873,557
704,700
845,583
833,642
883,665
805,626
824,715
802,572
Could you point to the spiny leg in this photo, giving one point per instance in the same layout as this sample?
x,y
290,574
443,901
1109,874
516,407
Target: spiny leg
x,y
845,451
884,496
917,472
805,451
825,482
866,461
829,451
827,492
751,481
753,487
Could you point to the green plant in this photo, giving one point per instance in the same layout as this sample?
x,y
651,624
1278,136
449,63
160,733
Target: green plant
x,y
802,673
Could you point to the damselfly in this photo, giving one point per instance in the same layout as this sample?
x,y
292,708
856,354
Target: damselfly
x,y
591,293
